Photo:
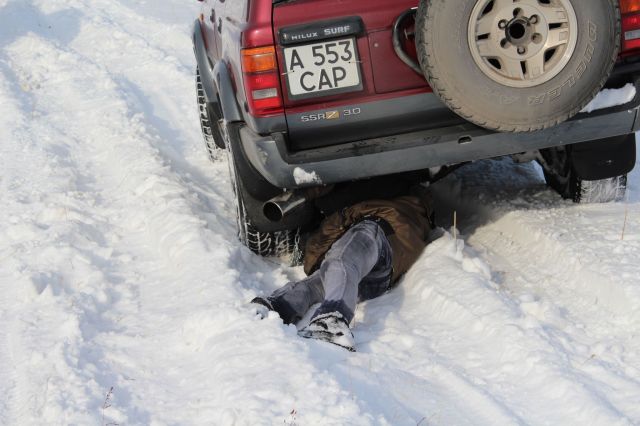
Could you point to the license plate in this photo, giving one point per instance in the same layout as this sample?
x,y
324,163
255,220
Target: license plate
x,y
322,68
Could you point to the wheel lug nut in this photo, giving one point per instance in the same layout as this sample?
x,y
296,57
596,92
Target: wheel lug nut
x,y
504,43
522,50
534,19
502,24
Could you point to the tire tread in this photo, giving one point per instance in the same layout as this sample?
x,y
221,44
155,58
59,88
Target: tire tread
x,y
210,134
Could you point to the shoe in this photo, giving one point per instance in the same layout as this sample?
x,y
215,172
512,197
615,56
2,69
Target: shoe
x,y
262,307
331,328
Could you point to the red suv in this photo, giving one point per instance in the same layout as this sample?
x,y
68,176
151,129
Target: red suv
x,y
307,95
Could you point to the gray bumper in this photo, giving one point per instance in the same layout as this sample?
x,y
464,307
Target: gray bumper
x,y
418,150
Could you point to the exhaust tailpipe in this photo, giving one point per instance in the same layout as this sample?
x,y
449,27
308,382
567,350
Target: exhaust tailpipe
x,y
278,207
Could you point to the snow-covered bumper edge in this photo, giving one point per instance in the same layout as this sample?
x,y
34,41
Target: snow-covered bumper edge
x,y
421,150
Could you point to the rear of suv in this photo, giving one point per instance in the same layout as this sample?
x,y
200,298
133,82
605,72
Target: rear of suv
x,y
307,95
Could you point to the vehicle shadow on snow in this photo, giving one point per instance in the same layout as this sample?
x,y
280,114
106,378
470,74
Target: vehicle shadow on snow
x,y
479,193
482,192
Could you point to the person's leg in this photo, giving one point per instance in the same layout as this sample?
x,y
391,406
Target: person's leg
x,y
293,300
353,257
379,280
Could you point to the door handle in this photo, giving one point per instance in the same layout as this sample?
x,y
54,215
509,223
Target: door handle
x,y
220,25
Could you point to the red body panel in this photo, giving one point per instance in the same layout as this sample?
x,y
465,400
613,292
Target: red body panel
x,y
390,74
382,71
384,75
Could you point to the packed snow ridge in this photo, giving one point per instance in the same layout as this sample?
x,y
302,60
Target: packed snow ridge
x,y
608,98
123,288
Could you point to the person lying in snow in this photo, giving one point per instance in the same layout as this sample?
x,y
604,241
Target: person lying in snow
x,y
357,254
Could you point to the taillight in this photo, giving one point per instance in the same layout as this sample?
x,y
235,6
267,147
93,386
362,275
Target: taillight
x,y
630,24
261,81
629,6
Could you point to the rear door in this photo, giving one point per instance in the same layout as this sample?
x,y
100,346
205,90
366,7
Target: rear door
x,y
213,11
341,78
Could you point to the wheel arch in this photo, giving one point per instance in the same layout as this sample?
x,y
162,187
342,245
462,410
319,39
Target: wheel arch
x,y
216,79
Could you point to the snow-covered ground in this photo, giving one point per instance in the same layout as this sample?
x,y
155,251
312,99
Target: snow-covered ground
x,y
123,288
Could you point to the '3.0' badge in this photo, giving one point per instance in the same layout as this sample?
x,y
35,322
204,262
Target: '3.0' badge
x,y
330,115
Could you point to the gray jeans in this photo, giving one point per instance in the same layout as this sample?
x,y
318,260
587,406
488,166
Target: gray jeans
x,y
357,267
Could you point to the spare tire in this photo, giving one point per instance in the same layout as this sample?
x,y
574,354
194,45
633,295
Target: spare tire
x,y
517,65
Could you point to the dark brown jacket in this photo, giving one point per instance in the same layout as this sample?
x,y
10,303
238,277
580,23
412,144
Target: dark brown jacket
x,y
409,217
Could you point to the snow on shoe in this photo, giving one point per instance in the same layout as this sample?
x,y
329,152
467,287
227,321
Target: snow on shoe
x,y
262,307
330,328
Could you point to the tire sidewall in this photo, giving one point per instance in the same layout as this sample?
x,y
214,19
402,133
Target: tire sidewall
x,y
443,33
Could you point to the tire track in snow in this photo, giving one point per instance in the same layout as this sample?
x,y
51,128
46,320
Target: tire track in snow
x,y
581,312
154,303
131,45
180,288
8,293
156,73
586,318
44,202
458,323
455,314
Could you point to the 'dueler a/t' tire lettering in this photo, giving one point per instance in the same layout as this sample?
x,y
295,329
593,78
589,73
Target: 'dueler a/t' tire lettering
x,y
517,65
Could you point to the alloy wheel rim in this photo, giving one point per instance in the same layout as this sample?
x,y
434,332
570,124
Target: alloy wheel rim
x,y
522,43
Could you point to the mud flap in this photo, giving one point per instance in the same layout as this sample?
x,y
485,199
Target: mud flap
x,y
604,158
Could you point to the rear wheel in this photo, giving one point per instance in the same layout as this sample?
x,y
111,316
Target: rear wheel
x,y
563,179
209,122
517,65
284,244
592,172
